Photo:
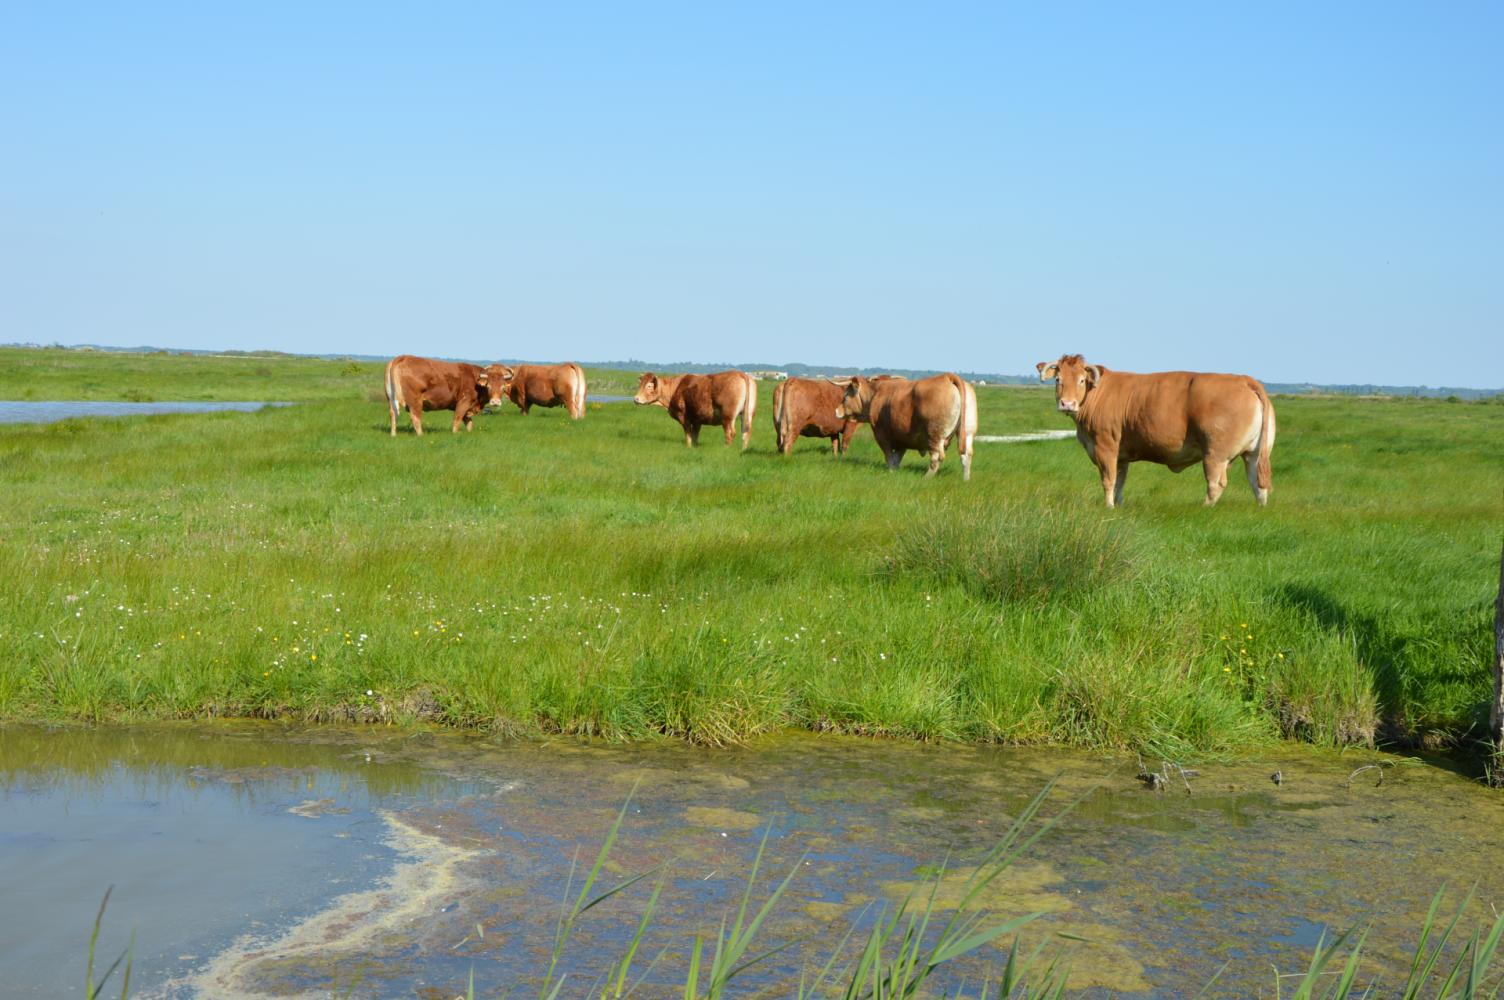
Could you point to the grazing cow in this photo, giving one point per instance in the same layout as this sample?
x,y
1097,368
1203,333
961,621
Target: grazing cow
x,y
1169,418
545,385
924,414
806,407
697,400
420,384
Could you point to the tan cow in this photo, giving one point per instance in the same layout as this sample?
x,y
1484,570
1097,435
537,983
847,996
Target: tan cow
x,y
924,414
806,407
545,385
1169,418
420,384
697,400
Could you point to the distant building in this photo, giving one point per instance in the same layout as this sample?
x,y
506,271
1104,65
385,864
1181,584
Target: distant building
x,y
775,376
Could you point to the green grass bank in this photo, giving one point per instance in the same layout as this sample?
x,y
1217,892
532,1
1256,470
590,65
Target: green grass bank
x,y
540,575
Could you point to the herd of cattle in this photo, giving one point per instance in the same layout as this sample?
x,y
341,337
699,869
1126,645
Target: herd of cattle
x,y
1175,419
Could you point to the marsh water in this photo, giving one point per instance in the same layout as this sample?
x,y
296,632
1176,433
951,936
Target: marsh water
x,y
51,411
265,860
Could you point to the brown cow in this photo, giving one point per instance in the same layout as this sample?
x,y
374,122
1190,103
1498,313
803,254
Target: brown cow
x,y
426,384
806,407
696,400
545,385
925,414
1169,418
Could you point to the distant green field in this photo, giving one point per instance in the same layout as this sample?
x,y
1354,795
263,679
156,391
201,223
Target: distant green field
x,y
540,575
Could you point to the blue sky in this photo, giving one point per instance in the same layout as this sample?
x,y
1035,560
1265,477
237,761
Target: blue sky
x,y
1302,192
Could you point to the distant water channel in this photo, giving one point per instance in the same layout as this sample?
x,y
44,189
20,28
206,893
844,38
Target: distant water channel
x,y
51,411
260,860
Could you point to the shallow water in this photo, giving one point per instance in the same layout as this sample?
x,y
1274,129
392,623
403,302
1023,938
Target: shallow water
x,y
51,411
259,860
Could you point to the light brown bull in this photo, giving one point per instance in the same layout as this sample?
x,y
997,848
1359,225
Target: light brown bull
x,y
697,400
545,385
806,407
924,415
419,384
1174,419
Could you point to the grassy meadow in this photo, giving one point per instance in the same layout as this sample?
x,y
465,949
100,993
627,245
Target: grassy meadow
x,y
541,575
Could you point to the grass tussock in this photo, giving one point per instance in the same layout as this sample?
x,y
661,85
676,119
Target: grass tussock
x,y
1022,551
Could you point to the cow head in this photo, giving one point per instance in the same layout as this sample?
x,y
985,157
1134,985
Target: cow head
x,y
649,391
856,400
496,380
1074,378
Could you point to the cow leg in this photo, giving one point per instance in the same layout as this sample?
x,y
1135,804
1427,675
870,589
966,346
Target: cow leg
x,y
1117,487
1107,464
415,414
692,435
835,444
894,457
1216,477
730,428
936,452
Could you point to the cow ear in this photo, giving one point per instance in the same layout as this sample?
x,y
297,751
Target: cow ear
x,y
1093,374
1047,370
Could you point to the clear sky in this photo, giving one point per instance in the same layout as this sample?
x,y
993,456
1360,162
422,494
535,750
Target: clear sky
x,y
1298,191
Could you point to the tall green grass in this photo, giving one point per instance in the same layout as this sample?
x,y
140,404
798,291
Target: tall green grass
x,y
597,577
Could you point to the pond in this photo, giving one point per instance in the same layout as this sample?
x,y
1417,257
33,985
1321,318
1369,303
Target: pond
x,y
268,860
51,411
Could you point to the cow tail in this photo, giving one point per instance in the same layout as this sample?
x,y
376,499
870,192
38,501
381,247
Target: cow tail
x,y
1263,471
749,409
963,428
781,413
392,404
577,393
